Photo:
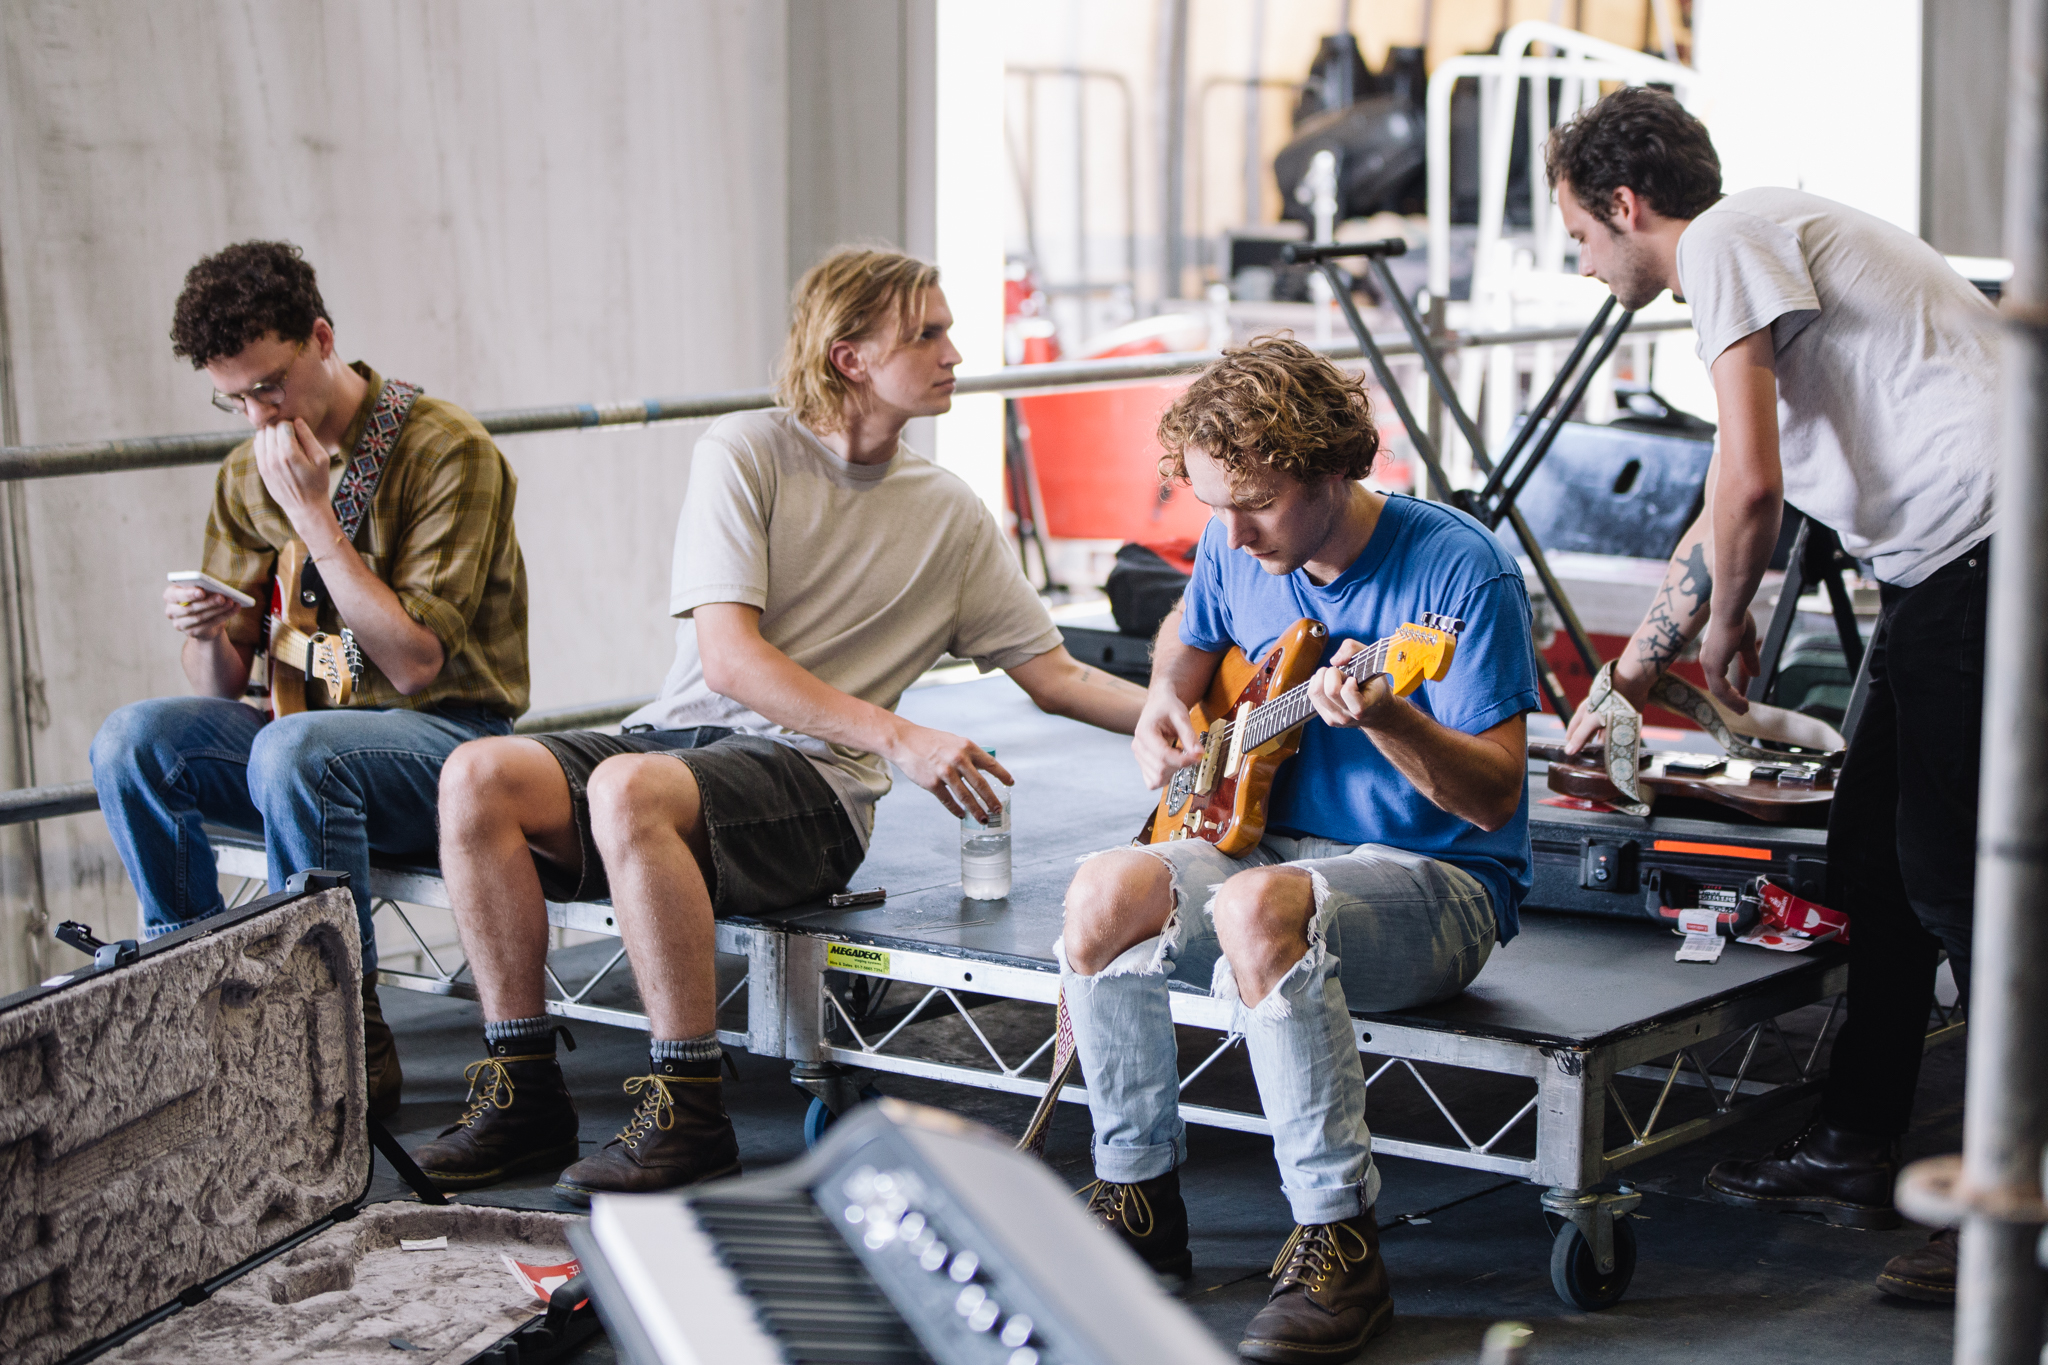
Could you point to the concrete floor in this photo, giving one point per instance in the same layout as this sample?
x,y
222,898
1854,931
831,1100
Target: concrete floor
x,y
1712,1282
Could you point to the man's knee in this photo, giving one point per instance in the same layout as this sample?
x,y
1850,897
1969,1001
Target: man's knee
x,y
130,731
496,778
291,752
1265,910
1116,901
634,795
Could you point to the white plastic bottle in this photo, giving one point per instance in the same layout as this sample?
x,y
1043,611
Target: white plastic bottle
x,y
985,850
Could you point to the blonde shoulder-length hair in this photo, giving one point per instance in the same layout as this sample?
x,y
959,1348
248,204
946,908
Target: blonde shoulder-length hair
x,y
853,293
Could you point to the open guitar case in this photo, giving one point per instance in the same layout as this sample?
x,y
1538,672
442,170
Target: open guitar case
x,y
185,1160
1590,860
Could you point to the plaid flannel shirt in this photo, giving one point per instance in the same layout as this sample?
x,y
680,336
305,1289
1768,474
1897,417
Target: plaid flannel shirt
x,y
439,532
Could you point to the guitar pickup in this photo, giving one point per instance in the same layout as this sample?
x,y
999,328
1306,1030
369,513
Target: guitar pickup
x,y
1212,756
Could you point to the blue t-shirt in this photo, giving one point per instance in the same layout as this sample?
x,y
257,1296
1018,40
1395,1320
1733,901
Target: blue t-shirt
x,y
1423,557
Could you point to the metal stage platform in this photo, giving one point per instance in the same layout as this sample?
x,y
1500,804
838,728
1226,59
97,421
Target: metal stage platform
x,y
1578,1023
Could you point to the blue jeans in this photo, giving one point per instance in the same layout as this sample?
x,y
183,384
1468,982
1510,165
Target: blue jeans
x,y
325,789
1392,930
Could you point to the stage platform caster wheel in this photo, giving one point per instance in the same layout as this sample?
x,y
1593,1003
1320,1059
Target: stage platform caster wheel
x,y
1575,1272
819,1117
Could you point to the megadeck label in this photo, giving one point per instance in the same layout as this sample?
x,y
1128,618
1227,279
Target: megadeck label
x,y
848,957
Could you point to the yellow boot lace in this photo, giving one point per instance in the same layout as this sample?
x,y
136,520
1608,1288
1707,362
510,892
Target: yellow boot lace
x,y
657,1107
490,1085
1114,1203
1316,1251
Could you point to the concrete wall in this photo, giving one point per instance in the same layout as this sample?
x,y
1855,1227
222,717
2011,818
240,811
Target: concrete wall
x,y
509,201
1968,56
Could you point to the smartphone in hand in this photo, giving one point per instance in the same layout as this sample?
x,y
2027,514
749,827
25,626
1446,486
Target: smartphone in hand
x,y
192,578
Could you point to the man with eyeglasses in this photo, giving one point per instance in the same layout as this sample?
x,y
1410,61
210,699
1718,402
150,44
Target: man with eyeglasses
x,y
404,506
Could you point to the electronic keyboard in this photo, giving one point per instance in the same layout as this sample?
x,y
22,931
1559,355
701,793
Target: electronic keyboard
x,y
909,1235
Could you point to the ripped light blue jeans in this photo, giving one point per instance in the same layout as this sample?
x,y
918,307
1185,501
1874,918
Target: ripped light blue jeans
x,y
1391,930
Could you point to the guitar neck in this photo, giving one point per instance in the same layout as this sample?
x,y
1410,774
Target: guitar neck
x,y
291,645
1293,707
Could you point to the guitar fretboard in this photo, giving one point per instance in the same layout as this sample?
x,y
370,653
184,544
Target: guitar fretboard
x,y
1282,713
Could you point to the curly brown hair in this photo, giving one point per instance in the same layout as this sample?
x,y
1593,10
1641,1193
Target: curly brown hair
x,y
1274,404
242,293
1641,138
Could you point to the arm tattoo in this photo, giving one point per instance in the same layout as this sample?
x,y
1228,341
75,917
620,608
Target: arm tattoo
x,y
1675,614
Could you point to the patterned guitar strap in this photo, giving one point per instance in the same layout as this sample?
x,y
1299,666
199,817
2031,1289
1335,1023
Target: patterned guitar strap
x,y
1065,1063
358,485
373,451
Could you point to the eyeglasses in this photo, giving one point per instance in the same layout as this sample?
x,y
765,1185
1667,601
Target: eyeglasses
x,y
270,393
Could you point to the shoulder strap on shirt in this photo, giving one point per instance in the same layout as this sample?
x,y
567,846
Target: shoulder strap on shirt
x,y
366,465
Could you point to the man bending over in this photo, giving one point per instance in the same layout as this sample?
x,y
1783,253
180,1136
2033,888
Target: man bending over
x,y
820,567
1856,376
1397,845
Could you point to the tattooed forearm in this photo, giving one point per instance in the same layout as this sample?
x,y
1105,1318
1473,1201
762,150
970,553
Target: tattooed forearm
x,y
1678,612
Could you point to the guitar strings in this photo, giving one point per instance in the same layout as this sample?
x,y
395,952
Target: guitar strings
x,y
1292,707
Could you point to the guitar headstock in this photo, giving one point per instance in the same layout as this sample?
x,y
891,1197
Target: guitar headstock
x,y
338,662
1449,625
1422,652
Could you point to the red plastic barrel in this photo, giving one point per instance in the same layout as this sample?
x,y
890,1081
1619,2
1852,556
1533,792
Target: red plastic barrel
x,y
1094,452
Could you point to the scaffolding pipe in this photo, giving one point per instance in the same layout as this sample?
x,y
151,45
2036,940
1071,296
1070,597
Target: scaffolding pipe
x,y
27,805
2005,1113
165,452
1994,1191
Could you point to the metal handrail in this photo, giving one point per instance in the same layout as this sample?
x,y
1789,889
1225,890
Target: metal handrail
x,y
29,804
163,452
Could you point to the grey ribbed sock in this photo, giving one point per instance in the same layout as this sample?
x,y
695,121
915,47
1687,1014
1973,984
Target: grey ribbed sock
x,y
505,1030
702,1048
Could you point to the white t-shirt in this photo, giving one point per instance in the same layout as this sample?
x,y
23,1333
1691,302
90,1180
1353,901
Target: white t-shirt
x,y
864,574
1887,369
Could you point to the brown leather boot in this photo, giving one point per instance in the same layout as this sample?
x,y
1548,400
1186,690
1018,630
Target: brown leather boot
x,y
1927,1273
1844,1177
380,1055
1150,1218
1332,1295
679,1135
520,1118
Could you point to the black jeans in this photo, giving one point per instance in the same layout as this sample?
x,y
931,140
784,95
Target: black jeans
x,y
1902,837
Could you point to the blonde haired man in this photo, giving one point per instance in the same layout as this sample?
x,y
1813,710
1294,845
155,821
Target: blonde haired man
x,y
820,567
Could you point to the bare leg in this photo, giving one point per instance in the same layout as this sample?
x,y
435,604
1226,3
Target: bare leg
x,y
645,815
503,801
1116,901
1262,926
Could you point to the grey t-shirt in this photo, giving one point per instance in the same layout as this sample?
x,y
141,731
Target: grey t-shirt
x,y
865,575
1887,369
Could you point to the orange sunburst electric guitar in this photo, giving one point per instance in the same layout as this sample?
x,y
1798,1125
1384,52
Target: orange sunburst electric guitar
x,y
1251,718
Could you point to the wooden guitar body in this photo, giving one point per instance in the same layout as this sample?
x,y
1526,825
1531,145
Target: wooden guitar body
x,y
1229,809
1772,791
299,652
